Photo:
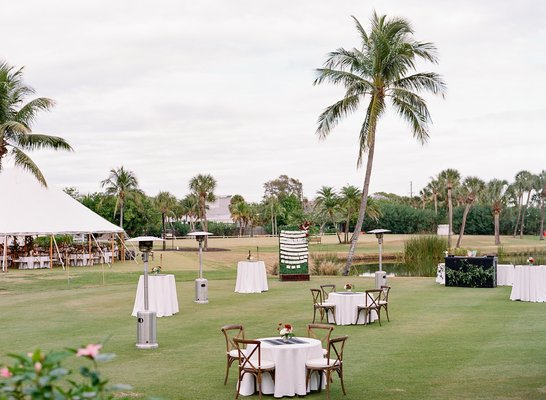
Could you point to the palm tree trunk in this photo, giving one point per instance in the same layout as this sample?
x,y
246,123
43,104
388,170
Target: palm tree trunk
x,y
497,230
163,230
520,199
523,215
541,233
121,215
435,204
335,226
363,203
450,212
346,234
463,224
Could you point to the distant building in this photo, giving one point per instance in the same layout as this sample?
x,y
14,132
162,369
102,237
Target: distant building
x,y
218,211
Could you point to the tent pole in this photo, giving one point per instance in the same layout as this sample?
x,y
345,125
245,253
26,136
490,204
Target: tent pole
x,y
58,252
103,256
51,252
126,248
112,249
89,260
5,255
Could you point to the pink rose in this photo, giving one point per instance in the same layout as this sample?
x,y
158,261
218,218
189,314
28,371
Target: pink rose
x,y
5,373
91,351
37,367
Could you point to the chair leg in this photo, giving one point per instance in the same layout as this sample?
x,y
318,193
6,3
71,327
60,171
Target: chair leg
x,y
387,311
238,385
328,384
227,369
340,374
378,315
259,379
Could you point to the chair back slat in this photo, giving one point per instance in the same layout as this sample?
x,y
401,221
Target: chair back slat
x,y
250,351
317,296
326,290
230,333
335,349
321,332
385,293
372,298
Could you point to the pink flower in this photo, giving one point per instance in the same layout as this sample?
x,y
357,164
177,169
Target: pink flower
x,y
5,373
91,351
37,367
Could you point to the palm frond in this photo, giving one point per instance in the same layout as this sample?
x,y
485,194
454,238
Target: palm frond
x,y
429,81
413,109
13,129
27,113
332,114
35,141
24,161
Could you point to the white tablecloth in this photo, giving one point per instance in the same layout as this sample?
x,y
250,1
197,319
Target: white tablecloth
x,y
529,283
505,274
346,303
289,368
162,296
33,262
441,274
251,277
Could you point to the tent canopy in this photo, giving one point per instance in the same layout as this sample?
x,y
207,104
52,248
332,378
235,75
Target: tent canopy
x,y
28,208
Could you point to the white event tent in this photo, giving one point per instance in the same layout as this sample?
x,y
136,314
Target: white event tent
x,y
27,208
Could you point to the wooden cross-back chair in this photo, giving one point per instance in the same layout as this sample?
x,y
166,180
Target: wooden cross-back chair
x,y
332,363
371,303
321,332
230,333
251,362
326,290
323,308
384,300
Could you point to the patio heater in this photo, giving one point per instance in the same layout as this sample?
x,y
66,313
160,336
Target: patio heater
x,y
201,284
380,276
146,319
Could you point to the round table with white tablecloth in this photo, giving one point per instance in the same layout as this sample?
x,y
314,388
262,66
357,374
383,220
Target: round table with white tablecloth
x,y
251,277
162,297
505,274
529,283
346,307
289,366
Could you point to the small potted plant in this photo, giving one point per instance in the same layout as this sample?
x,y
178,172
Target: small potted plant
x,y
156,270
531,261
349,287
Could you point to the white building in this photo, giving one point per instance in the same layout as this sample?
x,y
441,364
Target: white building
x,y
218,211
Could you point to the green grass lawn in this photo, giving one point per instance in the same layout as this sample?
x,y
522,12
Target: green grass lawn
x,y
441,343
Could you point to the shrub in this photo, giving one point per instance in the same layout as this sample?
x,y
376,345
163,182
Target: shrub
x,y
41,376
325,264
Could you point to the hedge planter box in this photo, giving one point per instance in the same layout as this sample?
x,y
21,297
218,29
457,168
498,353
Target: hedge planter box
x,y
471,271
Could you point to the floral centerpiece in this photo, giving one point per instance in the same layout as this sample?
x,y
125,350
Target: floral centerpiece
x,y
285,330
531,261
156,270
349,287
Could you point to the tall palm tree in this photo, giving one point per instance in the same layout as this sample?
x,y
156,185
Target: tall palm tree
x,y
435,187
165,203
16,118
424,195
495,196
121,183
189,206
449,178
327,200
349,201
203,186
381,69
518,189
240,214
273,208
541,191
472,186
527,180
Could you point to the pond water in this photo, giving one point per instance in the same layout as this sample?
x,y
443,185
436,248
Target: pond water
x,y
395,269
402,269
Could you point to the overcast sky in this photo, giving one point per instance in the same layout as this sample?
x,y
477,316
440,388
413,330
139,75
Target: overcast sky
x,y
170,89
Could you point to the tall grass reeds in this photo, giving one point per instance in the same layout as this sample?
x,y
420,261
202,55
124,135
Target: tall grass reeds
x,y
325,264
424,252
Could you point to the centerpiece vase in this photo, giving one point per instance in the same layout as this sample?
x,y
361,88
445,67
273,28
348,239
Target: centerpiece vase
x,y
285,339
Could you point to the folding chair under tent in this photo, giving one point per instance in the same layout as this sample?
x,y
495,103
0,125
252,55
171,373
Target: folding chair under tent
x,y
29,209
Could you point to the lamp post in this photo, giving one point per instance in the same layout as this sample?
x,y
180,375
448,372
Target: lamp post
x,y
201,284
380,276
146,319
